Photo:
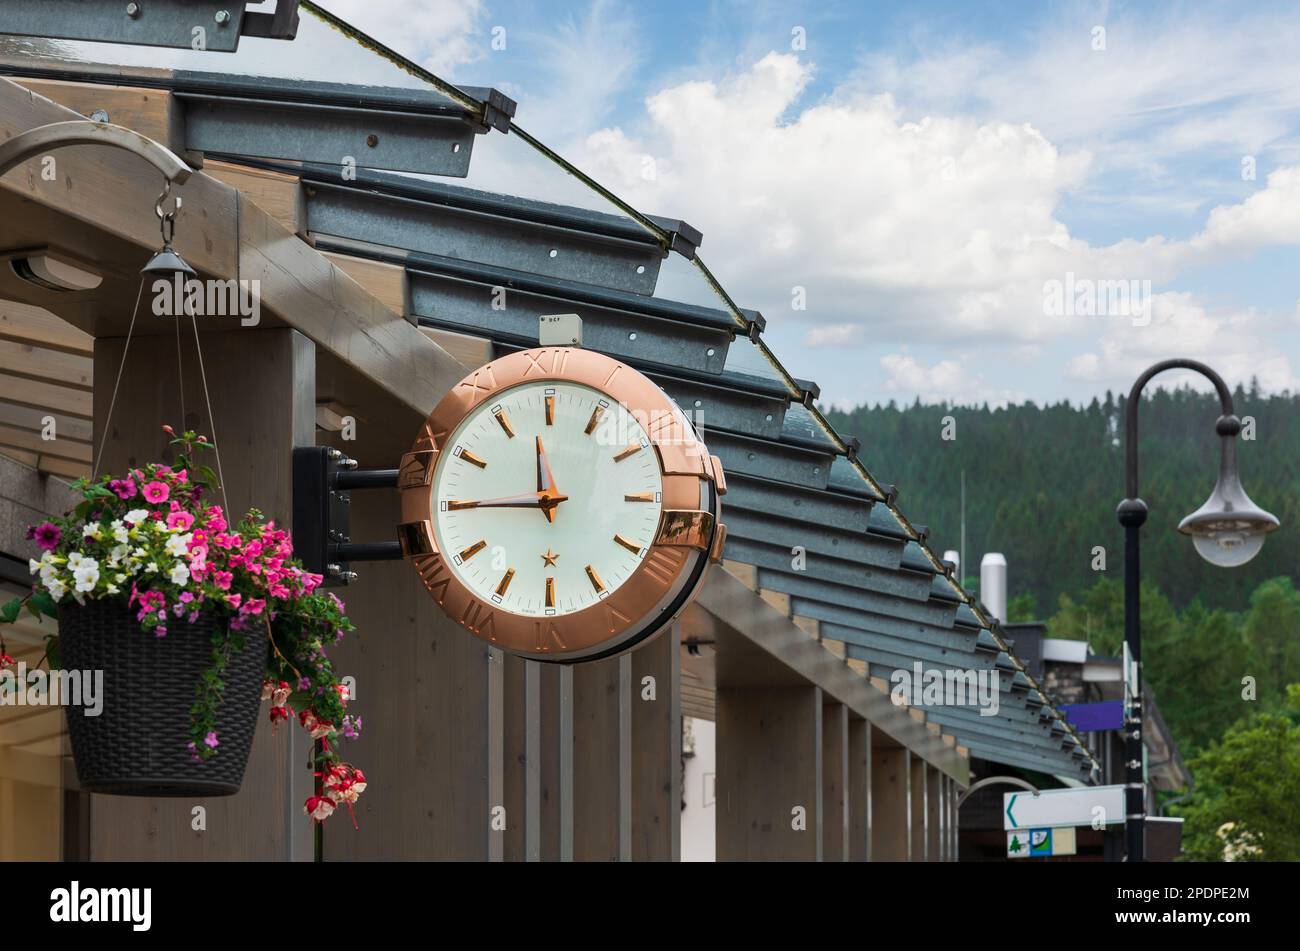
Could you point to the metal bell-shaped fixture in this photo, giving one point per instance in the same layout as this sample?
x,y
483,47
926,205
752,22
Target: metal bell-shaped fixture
x,y
1229,529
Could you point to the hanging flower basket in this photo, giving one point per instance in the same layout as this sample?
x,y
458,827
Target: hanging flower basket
x,y
191,620
138,745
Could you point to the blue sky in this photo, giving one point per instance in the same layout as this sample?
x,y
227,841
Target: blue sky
x,y
925,172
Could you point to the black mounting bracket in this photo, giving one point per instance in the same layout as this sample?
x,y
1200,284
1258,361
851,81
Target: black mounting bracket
x,y
323,481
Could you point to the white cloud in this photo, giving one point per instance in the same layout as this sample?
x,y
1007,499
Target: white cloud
x,y
944,381
1239,345
440,35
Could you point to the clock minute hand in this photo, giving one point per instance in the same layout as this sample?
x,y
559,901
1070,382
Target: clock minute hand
x,y
546,482
529,500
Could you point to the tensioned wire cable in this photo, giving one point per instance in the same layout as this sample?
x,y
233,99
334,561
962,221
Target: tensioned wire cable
x,y
457,95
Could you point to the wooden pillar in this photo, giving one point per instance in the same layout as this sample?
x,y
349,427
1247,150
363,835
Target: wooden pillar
x,y
835,779
859,790
769,773
601,763
891,802
954,825
920,814
657,749
262,384
934,800
425,688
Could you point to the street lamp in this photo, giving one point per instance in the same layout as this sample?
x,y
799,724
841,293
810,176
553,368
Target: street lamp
x,y
1228,530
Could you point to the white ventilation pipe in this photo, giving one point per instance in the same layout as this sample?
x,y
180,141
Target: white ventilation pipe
x,y
993,584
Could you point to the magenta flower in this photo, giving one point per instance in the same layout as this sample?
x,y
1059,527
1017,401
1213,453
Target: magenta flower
x,y
210,741
222,579
47,535
156,492
180,520
125,488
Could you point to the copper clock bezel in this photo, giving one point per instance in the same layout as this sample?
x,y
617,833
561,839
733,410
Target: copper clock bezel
x,y
688,537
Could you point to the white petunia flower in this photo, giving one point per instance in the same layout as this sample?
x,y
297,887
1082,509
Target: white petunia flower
x,y
180,573
136,516
34,566
118,553
151,568
74,559
119,531
56,588
91,531
86,575
179,544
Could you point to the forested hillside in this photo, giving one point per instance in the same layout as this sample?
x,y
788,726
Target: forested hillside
x,y
1042,483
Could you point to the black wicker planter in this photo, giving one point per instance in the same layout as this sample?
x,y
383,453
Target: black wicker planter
x,y
138,745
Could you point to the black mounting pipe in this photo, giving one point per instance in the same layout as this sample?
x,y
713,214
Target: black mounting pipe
x,y
365,551
346,479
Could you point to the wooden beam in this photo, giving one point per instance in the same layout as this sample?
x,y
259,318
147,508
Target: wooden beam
x,y
151,112
49,397
387,282
32,442
25,323
33,362
746,574
276,193
468,350
32,419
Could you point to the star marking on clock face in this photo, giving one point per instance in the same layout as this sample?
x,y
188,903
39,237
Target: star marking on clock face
x,y
549,557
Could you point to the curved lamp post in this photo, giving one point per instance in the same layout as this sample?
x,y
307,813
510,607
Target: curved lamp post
x,y
1228,530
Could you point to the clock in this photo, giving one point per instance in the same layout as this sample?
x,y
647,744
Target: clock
x,y
560,506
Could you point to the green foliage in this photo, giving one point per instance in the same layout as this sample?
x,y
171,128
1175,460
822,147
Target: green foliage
x,y
1247,801
1042,483
1198,661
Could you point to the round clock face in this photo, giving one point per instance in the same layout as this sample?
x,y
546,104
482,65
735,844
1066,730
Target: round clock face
x,y
558,505
546,498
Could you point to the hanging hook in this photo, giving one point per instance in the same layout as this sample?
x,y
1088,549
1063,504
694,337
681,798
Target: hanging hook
x,y
167,219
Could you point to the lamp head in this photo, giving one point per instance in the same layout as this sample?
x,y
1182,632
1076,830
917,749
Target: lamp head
x,y
1229,529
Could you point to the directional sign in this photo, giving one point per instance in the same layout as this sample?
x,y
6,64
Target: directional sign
x,y
1039,843
1051,808
1094,717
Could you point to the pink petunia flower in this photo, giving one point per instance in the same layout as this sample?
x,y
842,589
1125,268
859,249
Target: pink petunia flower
x,y
210,741
223,579
180,520
156,492
47,535
124,488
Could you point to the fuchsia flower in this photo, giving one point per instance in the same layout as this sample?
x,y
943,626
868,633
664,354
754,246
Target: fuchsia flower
x,y
156,492
319,808
210,741
47,535
222,580
180,520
